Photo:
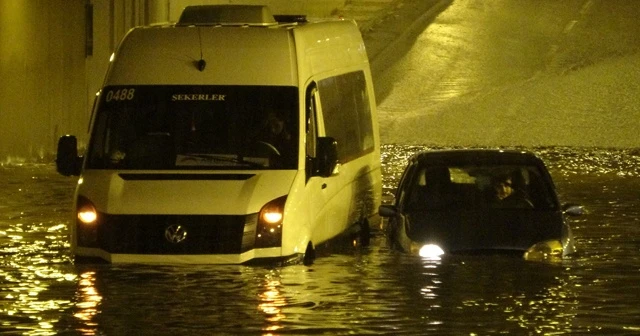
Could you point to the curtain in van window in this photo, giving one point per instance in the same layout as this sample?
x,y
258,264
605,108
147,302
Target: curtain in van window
x,y
347,114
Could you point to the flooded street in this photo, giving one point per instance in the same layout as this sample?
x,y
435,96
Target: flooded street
x,y
558,78
346,291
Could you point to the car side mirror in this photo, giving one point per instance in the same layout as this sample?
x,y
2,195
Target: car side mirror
x,y
68,163
326,156
387,210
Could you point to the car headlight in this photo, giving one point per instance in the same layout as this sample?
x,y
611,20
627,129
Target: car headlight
x,y
431,251
546,250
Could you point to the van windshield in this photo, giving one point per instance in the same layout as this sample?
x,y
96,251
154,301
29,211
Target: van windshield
x,y
195,127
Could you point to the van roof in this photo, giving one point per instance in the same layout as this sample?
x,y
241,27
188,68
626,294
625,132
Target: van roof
x,y
196,51
234,15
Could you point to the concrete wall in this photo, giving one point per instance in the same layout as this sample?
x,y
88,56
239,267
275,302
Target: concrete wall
x,y
43,75
49,80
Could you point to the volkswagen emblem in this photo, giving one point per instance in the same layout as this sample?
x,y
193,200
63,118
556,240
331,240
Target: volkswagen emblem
x,y
175,234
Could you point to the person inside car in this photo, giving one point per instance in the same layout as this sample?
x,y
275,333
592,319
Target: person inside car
x,y
507,194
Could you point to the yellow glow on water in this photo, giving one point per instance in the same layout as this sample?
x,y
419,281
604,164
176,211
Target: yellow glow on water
x,y
28,287
56,228
271,304
89,297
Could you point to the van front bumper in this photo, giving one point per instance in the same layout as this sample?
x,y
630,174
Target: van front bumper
x,y
85,253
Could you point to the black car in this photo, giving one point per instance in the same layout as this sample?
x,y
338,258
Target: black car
x,y
478,201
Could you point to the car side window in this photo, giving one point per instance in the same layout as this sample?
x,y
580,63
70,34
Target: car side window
x,y
403,192
432,188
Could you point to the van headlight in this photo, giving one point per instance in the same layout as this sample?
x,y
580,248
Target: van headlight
x,y
431,251
269,229
87,214
87,222
272,216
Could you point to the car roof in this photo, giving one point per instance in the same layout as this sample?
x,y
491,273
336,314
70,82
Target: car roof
x,y
475,157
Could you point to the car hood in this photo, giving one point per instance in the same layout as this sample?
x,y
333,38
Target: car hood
x,y
487,230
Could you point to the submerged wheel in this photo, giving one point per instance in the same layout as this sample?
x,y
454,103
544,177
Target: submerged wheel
x,y
364,233
309,255
361,236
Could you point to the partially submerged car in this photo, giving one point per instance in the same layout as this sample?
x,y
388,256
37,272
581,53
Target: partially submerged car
x,y
478,201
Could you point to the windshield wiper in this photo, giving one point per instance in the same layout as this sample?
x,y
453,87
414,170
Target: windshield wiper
x,y
188,159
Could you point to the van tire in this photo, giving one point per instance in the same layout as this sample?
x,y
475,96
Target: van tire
x,y
309,255
364,234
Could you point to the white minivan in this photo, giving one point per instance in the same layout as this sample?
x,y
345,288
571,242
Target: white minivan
x,y
231,136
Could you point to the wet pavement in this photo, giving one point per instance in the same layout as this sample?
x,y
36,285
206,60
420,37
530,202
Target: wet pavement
x,y
388,25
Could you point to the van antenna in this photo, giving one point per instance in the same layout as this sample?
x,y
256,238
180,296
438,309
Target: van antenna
x,y
201,64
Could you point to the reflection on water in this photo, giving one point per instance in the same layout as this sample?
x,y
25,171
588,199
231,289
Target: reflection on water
x,y
88,300
271,303
369,290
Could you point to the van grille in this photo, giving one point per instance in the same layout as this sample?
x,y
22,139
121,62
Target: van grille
x,y
205,234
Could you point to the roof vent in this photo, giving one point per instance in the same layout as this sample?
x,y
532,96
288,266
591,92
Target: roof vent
x,y
290,18
208,15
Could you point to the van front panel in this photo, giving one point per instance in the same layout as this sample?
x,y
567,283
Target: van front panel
x,y
179,213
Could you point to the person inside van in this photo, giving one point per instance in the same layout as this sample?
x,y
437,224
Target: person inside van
x,y
276,137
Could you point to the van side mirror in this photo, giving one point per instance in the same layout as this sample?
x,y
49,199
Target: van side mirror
x,y
68,163
326,156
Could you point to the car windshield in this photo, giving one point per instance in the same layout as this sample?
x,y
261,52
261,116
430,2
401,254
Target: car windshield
x,y
195,127
494,186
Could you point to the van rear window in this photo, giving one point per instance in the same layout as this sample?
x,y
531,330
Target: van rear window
x,y
195,127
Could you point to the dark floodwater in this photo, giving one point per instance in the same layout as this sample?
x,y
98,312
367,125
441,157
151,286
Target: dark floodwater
x,y
367,291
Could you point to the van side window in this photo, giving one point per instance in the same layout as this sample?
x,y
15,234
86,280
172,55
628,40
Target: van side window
x,y
310,127
347,115
311,132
